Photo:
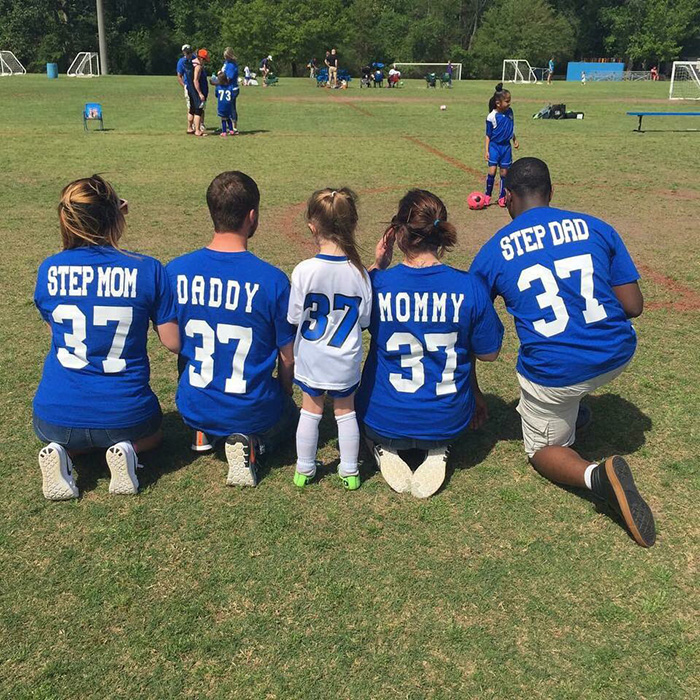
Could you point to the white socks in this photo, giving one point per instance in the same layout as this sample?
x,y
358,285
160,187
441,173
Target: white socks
x,y
588,475
348,444
307,442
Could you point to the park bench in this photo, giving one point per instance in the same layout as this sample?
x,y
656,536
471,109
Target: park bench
x,y
641,115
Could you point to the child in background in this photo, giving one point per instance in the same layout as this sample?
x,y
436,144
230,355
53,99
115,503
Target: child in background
x,y
500,130
330,303
583,77
226,104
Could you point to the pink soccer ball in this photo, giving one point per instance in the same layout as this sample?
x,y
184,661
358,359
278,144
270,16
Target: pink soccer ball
x,y
476,200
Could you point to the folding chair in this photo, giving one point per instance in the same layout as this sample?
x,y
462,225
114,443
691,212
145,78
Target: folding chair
x,y
93,111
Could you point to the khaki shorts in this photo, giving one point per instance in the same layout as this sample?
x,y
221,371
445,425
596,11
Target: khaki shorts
x,y
549,412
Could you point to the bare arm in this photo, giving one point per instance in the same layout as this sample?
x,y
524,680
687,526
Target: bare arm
x,y
169,335
486,148
491,357
285,367
180,80
630,296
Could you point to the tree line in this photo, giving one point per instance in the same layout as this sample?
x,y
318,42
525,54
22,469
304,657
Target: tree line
x,y
145,36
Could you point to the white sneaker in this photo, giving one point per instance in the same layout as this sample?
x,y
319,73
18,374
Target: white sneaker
x,y
430,476
395,471
241,457
123,463
57,473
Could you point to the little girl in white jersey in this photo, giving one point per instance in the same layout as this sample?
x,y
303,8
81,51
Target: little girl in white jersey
x,y
330,303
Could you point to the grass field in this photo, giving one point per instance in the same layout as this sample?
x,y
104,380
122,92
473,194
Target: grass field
x,y
500,586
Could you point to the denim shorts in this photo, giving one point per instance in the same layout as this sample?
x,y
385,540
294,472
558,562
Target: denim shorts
x,y
83,439
333,393
405,443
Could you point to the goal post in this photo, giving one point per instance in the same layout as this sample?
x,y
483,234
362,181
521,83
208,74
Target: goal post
x,y
85,65
518,70
420,70
685,81
10,65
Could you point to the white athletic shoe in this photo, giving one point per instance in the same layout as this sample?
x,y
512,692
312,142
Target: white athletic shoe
x,y
123,463
395,471
241,457
430,476
57,473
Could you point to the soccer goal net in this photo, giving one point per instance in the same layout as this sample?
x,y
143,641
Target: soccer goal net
x,y
420,70
685,81
9,65
517,70
85,65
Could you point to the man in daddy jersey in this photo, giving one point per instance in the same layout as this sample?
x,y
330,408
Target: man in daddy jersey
x,y
232,315
571,286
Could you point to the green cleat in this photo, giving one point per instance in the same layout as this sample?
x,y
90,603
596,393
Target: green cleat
x,y
352,482
302,480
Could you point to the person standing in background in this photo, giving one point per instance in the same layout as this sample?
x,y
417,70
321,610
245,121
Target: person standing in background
x,y
185,71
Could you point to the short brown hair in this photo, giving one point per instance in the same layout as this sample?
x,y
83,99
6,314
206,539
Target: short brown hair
x,y
90,213
230,197
421,224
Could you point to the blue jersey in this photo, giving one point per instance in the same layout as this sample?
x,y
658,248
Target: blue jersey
x,y
556,271
425,324
500,126
98,302
231,70
184,70
232,312
551,66
225,99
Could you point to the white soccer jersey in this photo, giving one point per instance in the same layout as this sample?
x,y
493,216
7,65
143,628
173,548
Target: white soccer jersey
x,y
330,303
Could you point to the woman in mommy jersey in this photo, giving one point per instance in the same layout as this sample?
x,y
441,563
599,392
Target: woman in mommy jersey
x,y
98,301
429,321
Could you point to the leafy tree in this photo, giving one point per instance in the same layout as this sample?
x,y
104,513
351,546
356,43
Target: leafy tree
x,y
528,29
653,30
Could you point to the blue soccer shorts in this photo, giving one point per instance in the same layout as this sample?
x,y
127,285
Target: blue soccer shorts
x,y
500,154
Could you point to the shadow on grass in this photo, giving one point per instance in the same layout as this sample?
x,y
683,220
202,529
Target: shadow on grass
x,y
173,454
618,427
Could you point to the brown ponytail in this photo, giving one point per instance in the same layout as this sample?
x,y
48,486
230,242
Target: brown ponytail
x,y
334,216
421,224
90,213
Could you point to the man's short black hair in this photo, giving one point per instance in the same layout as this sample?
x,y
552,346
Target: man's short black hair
x,y
528,176
230,197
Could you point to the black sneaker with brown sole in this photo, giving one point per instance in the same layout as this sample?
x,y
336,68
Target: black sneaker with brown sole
x,y
612,481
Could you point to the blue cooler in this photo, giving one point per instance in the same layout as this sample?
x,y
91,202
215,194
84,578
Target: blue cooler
x,y
52,70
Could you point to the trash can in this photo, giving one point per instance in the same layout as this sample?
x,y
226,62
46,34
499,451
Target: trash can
x,y
52,70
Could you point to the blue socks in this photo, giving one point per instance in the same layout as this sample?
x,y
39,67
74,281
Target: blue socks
x,y
490,179
503,187
224,126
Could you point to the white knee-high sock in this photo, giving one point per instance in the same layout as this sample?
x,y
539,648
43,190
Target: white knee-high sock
x,y
307,442
348,443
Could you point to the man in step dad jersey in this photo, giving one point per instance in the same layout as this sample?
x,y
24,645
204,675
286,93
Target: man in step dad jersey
x,y
232,315
571,287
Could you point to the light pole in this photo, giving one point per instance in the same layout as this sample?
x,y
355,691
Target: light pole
x,y
101,38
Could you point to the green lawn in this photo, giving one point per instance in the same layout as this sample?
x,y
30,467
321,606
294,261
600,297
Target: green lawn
x,y
500,586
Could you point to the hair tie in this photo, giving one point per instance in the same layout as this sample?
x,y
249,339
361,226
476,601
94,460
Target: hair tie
x,y
436,223
333,194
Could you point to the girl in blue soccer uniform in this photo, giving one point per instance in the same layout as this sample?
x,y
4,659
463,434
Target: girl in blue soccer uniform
x,y
500,131
98,301
226,94
429,322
